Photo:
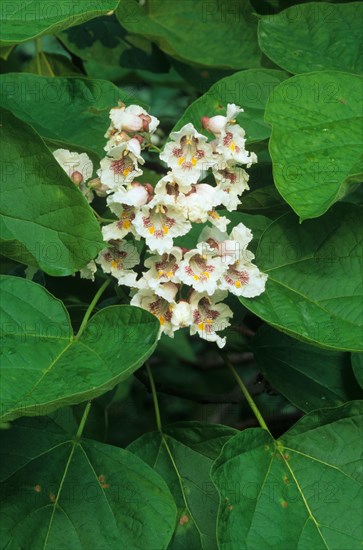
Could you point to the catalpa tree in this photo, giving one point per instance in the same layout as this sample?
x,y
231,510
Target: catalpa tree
x,y
181,275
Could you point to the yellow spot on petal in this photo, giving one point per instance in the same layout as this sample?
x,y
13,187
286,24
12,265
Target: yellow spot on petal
x,y
161,273
169,274
209,321
113,264
181,160
213,214
201,326
206,274
162,320
233,146
194,161
196,277
189,141
152,230
238,284
165,229
126,171
126,224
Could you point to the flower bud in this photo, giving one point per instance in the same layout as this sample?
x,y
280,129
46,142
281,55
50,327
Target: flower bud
x,y
76,177
215,124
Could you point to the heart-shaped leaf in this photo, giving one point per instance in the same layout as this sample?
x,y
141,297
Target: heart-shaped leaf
x,y
316,140
314,287
45,220
302,491
61,491
45,367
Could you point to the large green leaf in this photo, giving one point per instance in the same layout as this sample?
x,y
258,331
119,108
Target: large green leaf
x,y
309,377
316,141
45,367
61,492
104,38
250,89
314,287
314,37
21,21
71,110
45,220
264,201
302,491
207,33
183,456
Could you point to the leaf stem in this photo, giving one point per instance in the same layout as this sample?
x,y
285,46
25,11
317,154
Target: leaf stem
x,y
247,395
38,50
155,398
83,420
91,307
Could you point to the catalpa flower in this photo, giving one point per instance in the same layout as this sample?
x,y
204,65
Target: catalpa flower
x,y
231,145
119,259
241,277
121,165
187,154
182,315
89,271
209,316
217,124
199,202
120,228
159,224
133,119
78,167
163,268
200,269
233,181
136,194
161,307
170,188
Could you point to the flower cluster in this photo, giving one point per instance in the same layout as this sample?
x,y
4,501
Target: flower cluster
x,y
181,287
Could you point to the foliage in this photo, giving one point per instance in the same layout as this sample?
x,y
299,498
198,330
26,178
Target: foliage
x,y
112,436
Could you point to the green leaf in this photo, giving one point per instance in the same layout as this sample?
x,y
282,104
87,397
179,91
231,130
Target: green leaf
x,y
45,219
45,367
183,457
21,21
314,287
72,110
314,37
249,89
309,377
357,365
66,492
301,491
104,38
196,31
316,141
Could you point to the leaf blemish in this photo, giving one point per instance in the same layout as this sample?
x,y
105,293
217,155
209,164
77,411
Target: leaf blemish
x,y
184,519
38,488
284,504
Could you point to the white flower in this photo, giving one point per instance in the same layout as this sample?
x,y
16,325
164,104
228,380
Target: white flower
x,y
159,224
218,221
170,188
78,167
233,181
231,145
182,315
119,259
120,166
133,119
161,307
187,154
135,194
209,316
88,272
218,123
163,268
201,269
120,228
240,277
200,202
